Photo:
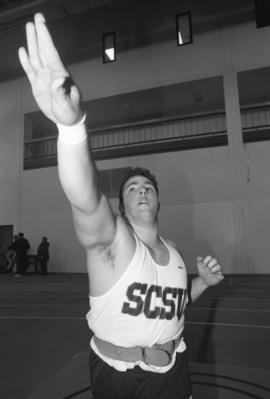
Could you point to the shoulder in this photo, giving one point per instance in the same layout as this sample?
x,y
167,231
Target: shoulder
x,y
170,242
174,246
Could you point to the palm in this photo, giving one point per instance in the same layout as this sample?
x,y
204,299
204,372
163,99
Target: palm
x,y
41,88
58,106
48,75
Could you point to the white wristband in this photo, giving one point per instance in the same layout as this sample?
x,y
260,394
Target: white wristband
x,y
73,134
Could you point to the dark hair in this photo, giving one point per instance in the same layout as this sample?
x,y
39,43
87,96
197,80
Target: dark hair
x,y
135,172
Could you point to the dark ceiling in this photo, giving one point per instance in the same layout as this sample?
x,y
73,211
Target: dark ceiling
x,y
77,27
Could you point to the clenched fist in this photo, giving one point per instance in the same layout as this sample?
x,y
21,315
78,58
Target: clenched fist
x,y
209,270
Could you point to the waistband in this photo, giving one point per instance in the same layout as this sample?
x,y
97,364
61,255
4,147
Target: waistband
x,y
157,355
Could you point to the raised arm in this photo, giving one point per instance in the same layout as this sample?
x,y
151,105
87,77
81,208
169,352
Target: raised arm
x,y
59,99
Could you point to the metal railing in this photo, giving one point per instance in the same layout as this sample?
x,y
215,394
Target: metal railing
x,y
40,148
156,133
141,134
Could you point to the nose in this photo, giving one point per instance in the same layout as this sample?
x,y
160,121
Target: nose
x,y
143,190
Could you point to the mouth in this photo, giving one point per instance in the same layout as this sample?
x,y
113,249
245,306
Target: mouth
x,y
144,202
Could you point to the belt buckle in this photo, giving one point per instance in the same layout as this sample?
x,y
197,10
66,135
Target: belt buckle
x,y
164,356
144,355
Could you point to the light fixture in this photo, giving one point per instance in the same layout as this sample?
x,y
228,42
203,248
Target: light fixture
x,y
183,29
109,53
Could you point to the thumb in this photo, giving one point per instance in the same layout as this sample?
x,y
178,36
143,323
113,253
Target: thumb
x,y
200,264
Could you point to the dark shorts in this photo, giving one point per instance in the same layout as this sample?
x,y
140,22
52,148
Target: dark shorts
x,y
108,383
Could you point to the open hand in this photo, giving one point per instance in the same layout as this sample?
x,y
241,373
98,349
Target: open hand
x,y
209,270
55,93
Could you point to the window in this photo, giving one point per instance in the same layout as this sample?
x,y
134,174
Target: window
x,y
109,53
183,29
262,13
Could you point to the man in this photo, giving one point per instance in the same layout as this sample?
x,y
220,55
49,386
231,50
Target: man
x,y
137,280
43,256
21,247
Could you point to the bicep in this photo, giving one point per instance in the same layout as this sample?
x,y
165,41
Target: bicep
x,y
97,227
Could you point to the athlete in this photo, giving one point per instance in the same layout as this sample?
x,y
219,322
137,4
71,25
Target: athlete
x,y
137,280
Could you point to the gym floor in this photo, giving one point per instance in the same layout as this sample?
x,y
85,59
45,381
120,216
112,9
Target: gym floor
x,y
44,338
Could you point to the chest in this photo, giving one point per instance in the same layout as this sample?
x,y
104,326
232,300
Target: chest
x,y
160,255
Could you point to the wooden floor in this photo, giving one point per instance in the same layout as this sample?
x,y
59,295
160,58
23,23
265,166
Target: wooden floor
x,y
44,338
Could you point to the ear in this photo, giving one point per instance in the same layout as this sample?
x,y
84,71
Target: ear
x,y
158,206
121,209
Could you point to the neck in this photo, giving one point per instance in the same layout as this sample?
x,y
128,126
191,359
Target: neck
x,y
147,233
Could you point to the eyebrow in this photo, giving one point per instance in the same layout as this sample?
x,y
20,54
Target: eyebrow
x,y
135,182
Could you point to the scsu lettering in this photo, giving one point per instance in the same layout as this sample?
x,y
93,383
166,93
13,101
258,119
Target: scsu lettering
x,y
154,301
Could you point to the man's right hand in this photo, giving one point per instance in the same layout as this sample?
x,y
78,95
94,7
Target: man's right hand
x,y
55,93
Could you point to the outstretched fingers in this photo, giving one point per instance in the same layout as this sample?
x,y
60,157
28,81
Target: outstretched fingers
x,y
54,92
50,56
33,46
26,64
31,60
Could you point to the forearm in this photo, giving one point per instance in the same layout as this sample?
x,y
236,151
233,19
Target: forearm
x,y
198,286
76,169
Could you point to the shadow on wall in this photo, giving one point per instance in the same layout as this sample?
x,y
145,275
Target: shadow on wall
x,y
199,226
177,221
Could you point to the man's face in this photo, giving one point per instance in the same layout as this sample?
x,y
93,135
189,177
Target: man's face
x,y
140,198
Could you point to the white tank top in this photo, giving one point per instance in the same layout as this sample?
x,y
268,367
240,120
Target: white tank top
x,y
144,307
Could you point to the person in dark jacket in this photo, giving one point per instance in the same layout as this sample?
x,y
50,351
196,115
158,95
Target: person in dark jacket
x,y
43,255
21,247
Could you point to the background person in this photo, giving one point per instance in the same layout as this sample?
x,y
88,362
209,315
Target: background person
x,y
43,255
21,247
